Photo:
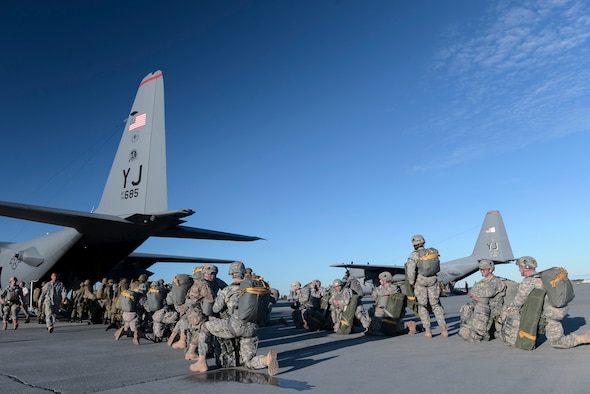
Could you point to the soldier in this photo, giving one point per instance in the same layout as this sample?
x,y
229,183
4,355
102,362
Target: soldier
x,y
132,319
26,300
52,296
39,304
478,316
234,327
339,299
77,307
425,284
297,305
552,315
12,300
374,320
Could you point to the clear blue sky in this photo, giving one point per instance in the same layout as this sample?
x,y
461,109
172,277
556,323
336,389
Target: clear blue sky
x,y
333,129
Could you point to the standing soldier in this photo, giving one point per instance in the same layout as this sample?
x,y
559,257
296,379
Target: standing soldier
x,y
12,299
132,316
26,300
478,316
52,296
421,269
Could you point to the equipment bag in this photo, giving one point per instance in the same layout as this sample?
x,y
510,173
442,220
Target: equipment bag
x,y
530,314
559,288
156,298
394,311
127,301
180,286
428,262
253,300
347,320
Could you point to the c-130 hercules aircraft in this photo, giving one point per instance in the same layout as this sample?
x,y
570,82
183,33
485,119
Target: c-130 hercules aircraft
x,y
492,244
134,207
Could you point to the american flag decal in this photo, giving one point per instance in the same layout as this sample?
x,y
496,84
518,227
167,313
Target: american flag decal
x,y
138,122
490,230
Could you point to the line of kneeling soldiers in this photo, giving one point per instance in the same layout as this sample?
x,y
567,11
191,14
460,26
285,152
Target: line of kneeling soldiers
x,y
203,315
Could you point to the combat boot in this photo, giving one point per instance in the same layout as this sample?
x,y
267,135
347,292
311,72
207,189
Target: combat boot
x,y
118,333
15,325
191,353
200,365
272,362
136,338
181,344
172,338
5,326
584,338
427,332
445,332
411,327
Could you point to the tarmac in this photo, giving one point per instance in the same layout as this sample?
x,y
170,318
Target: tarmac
x,y
82,358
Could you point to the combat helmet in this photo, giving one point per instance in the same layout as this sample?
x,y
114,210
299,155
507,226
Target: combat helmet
x,y
486,264
210,268
386,276
418,240
296,285
527,262
337,282
236,269
142,288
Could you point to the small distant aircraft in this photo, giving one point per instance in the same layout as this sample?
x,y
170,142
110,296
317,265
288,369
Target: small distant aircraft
x,y
134,207
492,244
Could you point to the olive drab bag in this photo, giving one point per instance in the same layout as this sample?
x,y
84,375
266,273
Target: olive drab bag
x,y
180,287
156,298
347,320
394,311
530,315
559,288
253,300
127,301
428,262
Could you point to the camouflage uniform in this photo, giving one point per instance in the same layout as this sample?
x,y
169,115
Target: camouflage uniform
x,y
12,299
426,290
486,305
166,315
373,320
551,314
297,305
52,295
339,300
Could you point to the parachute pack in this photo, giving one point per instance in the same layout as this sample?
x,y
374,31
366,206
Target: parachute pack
x,y
180,287
559,288
394,312
253,300
127,301
428,262
156,298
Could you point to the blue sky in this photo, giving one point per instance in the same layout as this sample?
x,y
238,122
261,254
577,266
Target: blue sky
x,y
333,129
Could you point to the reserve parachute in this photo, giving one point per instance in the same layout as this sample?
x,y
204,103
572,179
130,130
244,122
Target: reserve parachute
x,y
127,301
180,287
428,262
156,298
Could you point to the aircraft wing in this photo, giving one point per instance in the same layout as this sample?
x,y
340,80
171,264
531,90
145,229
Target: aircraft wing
x,y
166,258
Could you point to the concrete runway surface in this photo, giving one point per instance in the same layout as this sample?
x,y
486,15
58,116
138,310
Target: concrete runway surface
x,y
81,358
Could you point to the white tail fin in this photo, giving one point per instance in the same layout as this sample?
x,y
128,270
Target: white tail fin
x,y
137,181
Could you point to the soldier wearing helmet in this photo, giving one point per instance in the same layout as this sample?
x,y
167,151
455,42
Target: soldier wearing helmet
x,y
340,297
133,319
527,266
480,315
233,327
425,286
298,305
373,320
12,299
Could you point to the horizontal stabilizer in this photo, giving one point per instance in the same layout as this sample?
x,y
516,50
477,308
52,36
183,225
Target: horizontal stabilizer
x,y
199,233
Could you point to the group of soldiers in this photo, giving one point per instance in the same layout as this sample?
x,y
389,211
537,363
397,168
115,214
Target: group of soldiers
x,y
499,308
14,298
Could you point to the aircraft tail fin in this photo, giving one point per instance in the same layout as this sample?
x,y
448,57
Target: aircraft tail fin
x,y
493,243
137,180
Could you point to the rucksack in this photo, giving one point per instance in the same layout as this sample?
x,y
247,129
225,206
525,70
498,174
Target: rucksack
x,y
127,301
559,288
156,298
253,300
428,262
180,287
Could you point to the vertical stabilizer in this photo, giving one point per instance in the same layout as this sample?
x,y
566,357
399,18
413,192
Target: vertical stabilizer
x,y
492,242
137,181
